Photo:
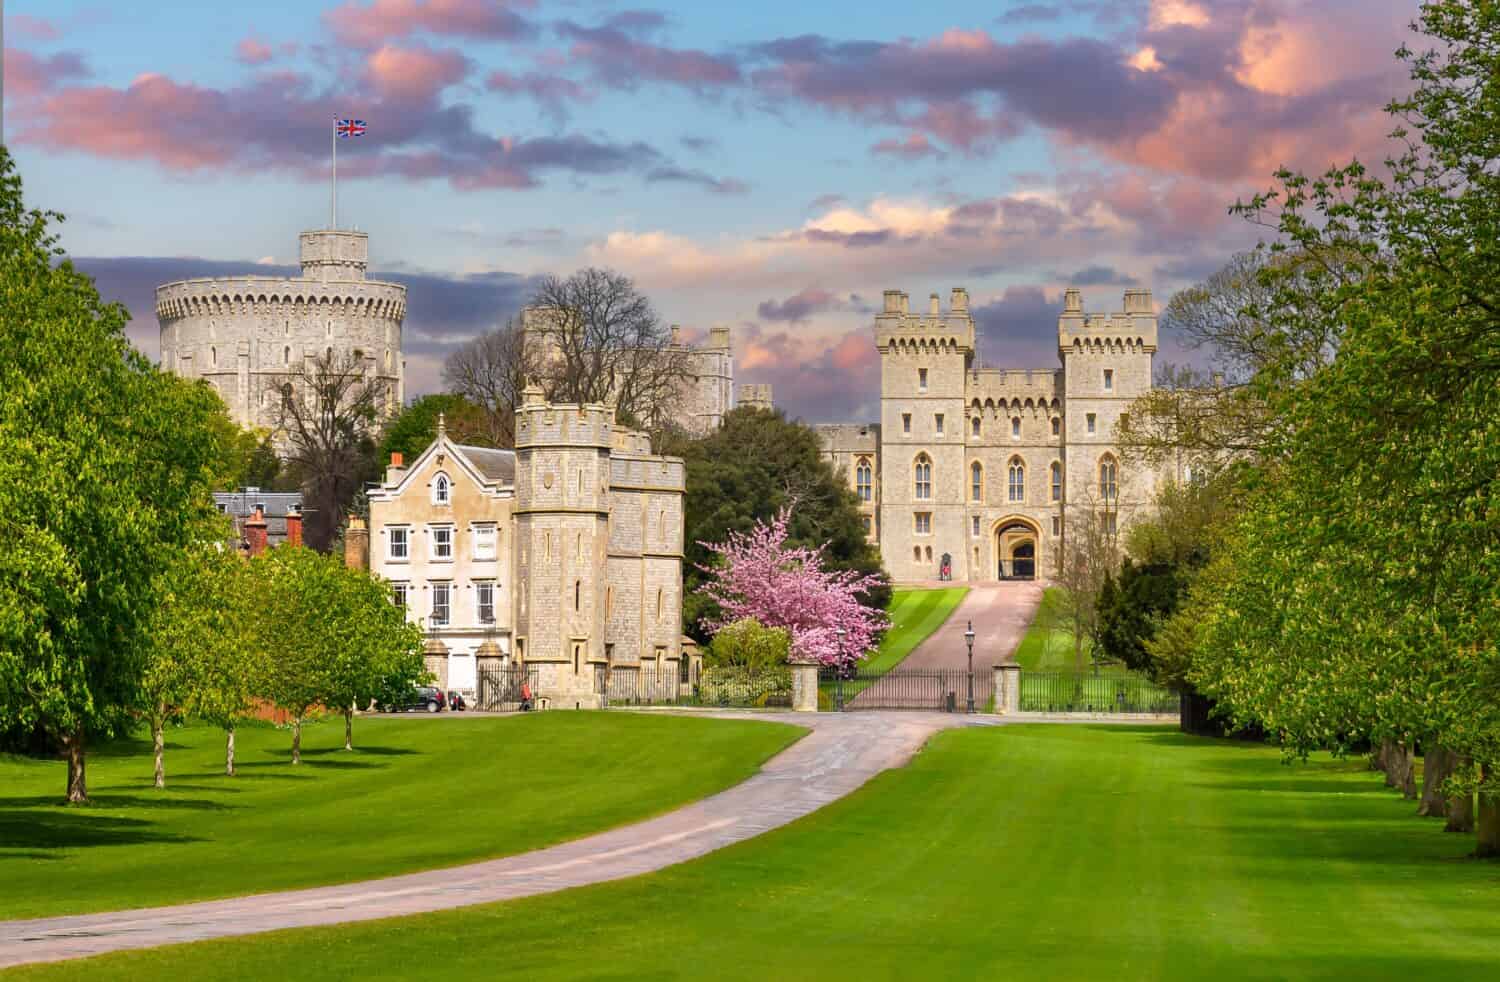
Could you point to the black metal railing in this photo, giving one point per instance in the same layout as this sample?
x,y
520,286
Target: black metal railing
x,y
502,689
1070,692
708,686
941,689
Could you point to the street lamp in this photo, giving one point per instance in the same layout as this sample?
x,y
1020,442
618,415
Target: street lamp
x,y
969,637
838,672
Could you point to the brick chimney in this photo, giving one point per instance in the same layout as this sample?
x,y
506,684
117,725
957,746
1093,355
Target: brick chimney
x,y
396,471
357,544
294,526
255,531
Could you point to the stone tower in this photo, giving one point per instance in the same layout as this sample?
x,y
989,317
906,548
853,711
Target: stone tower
x,y
1107,362
924,358
561,542
246,334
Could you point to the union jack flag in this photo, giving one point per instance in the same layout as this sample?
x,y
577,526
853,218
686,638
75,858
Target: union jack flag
x,y
346,128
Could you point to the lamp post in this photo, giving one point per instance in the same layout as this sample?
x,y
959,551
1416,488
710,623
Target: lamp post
x,y
838,673
969,637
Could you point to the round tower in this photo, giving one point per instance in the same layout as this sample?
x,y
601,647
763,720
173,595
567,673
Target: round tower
x,y
246,334
562,538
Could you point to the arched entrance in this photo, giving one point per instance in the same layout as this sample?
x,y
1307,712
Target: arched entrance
x,y
1016,547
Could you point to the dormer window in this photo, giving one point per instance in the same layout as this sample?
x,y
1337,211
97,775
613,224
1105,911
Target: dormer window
x,y
442,490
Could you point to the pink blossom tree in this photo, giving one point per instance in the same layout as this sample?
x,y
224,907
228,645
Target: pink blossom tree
x,y
758,576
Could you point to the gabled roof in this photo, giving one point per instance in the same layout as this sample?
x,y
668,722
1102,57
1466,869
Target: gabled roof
x,y
497,465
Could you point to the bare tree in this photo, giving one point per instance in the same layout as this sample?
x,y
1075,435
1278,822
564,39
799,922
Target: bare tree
x,y
329,416
492,371
598,339
1089,555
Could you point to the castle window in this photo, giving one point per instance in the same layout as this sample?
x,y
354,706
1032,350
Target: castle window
x,y
869,525
1056,481
1015,426
1109,488
286,355
1017,480
921,380
976,481
928,551
578,547
442,491
658,603
1109,522
609,601
577,594
1090,420
213,357
484,599
1056,525
937,422
922,475
916,553
440,604
906,423
863,480
975,530
1056,425
922,524
974,426
1109,380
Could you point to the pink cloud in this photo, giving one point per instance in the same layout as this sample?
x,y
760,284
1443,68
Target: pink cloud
x,y
814,376
249,51
415,73
914,147
32,28
370,25
622,60
28,75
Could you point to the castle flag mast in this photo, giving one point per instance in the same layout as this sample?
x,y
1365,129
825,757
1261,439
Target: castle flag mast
x,y
333,200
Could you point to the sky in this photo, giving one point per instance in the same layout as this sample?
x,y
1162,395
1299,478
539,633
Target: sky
x,y
772,166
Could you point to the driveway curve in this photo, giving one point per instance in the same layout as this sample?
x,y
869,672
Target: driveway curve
x,y
841,752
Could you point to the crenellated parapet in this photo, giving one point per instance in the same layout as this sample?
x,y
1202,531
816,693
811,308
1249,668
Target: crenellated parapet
x,y
1130,330
900,331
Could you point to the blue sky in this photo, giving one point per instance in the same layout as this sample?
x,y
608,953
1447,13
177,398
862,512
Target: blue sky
x,y
771,166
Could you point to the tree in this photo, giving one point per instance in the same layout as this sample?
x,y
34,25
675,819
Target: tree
x,y
753,467
296,591
370,650
228,669
106,465
193,622
758,575
329,411
746,643
595,338
413,429
492,371
1085,563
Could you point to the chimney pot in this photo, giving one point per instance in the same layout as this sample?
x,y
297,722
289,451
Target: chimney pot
x,y
396,459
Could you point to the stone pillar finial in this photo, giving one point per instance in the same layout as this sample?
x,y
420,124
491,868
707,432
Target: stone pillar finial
x,y
442,426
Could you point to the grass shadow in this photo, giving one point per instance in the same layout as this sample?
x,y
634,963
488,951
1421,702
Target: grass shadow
x,y
102,800
62,828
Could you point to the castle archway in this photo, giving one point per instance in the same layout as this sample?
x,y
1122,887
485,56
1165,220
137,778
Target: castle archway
x,y
1017,548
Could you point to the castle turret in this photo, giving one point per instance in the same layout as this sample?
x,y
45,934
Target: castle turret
x,y
561,542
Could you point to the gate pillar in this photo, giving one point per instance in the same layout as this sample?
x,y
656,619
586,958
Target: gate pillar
x,y
1007,689
804,686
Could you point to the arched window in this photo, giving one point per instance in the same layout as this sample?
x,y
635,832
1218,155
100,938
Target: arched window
x,y
658,602
1017,483
922,474
213,357
1109,487
976,481
286,355
1056,481
1015,426
442,491
577,594
1056,425
974,426
863,480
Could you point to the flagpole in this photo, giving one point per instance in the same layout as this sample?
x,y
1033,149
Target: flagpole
x,y
334,197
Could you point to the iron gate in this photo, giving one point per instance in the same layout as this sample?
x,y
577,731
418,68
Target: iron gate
x,y
940,689
500,689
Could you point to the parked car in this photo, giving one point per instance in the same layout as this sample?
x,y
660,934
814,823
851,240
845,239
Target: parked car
x,y
426,697
456,700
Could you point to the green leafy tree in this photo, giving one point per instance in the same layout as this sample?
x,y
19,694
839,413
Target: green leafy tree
x,y
227,667
414,428
747,471
108,464
372,652
747,643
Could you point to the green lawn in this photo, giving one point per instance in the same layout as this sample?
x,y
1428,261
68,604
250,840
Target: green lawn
x,y
415,794
1008,853
914,615
1042,650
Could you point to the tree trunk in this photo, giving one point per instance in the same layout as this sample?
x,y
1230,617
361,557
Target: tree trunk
x,y
1488,826
229,750
297,739
78,791
158,748
1400,770
1437,767
1460,806
348,727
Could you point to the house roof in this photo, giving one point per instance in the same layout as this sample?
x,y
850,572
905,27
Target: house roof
x,y
496,465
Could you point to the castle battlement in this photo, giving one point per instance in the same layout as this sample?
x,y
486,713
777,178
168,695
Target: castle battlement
x,y
544,424
899,330
1130,329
